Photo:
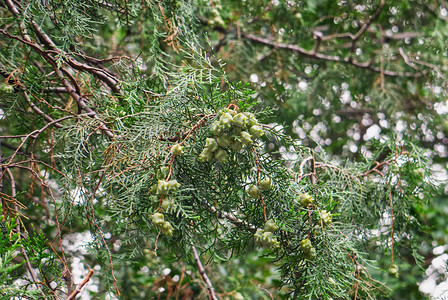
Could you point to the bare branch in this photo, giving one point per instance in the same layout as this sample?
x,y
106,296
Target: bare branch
x,y
210,289
406,59
431,66
40,112
60,71
362,30
311,54
234,220
372,18
35,134
79,287
348,60
57,89
100,74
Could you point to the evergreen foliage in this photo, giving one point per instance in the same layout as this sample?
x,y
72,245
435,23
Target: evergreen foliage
x,y
134,121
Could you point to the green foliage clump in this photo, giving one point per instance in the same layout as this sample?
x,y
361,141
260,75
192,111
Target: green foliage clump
x,y
120,119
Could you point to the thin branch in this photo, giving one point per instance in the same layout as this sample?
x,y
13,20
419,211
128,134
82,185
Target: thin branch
x,y
234,220
40,112
210,289
370,21
302,165
426,64
311,54
98,73
60,71
58,224
313,176
22,250
67,275
38,162
266,290
318,37
34,135
57,89
376,169
262,57
362,30
80,286
406,59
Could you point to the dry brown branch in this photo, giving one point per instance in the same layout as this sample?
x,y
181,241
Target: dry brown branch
x,y
80,286
377,168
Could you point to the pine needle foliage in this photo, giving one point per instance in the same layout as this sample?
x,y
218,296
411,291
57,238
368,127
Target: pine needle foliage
x,y
155,150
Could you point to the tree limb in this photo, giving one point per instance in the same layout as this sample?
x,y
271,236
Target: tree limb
x,y
317,55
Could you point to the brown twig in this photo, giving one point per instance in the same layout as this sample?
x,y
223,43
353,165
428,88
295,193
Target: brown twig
x,y
98,73
234,220
313,176
80,286
58,224
22,250
366,25
406,59
210,289
177,290
321,56
34,135
266,290
72,88
378,166
156,241
40,112
198,124
357,275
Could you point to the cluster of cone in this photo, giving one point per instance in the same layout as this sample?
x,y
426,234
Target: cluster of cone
x,y
265,237
231,130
